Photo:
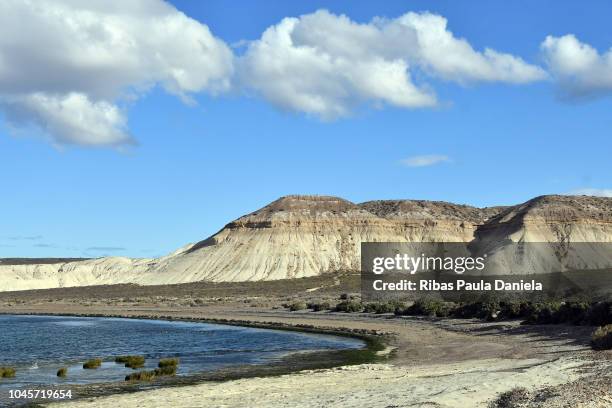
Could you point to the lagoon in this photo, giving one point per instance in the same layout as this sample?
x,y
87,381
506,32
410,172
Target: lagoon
x,y
38,345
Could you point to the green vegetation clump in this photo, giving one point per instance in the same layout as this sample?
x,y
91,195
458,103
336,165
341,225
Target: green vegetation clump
x,y
167,367
141,376
349,306
166,371
62,372
370,307
295,306
487,307
7,372
574,312
515,308
92,364
514,398
385,307
544,313
490,308
319,306
428,307
168,362
121,359
131,361
602,338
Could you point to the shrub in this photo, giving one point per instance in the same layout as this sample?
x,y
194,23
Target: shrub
x,y
92,364
384,307
391,307
62,372
602,338
349,306
131,361
344,296
487,309
141,376
544,313
168,362
512,398
512,309
295,306
572,312
370,307
7,372
319,306
430,307
600,314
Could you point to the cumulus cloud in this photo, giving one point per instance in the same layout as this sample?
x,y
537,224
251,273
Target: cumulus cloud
x,y
71,118
70,68
65,64
436,48
326,64
581,71
425,160
599,192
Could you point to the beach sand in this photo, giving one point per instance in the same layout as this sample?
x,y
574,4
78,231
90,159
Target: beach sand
x,y
369,385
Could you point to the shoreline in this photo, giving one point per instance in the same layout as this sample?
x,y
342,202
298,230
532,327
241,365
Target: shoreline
x,y
360,334
291,362
445,363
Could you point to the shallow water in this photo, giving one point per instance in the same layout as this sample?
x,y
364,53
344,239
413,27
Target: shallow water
x,y
38,345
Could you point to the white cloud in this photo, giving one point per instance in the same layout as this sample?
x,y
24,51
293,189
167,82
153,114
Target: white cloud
x,y
581,71
425,38
308,78
425,160
64,64
67,67
71,118
325,64
599,192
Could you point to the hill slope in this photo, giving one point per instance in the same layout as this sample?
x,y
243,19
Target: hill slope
x,y
298,236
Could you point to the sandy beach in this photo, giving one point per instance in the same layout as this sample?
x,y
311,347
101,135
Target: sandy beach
x,y
372,385
443,363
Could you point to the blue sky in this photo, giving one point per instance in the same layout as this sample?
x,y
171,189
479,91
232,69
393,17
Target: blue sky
x,y
206,157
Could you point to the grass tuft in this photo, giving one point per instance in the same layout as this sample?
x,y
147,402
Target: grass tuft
x,y
168,362
166,371
62,372
7,372
167,367
141,376
131,361
92,364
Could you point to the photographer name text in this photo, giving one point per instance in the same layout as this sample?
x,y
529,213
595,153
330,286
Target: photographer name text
x,y
458,285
